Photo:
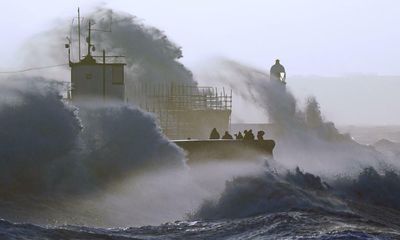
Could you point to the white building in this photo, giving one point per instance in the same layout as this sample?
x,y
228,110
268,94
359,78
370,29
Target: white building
x,y
90,79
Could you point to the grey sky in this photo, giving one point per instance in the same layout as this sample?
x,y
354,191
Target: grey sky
x,y
311,37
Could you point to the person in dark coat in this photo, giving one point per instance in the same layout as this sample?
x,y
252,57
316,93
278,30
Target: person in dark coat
x,y
248,135
239,136
260,135
251,135
227,135
277,72
244,134
214,134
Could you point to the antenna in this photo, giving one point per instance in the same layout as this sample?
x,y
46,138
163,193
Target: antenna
x,y
79,33
89,39
89,58
68,46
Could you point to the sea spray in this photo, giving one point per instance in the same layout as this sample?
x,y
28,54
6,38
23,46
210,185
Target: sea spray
x,y
91,163
150,56
166,195
120,139
304,138
353,172
37,129
53,150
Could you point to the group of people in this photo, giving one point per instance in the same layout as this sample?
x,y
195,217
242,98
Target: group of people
x,y
247,135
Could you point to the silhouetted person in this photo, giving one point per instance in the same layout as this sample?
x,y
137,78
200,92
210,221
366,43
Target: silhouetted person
x,y
277,72
239,136
260,135
227,135
214,134
245,135
248,135
251,135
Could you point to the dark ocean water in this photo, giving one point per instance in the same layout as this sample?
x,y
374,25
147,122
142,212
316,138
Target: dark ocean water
x,y
283,225
268,206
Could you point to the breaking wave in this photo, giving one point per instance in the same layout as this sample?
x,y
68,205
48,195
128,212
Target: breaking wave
x,y
52,151
371,187
296,190
269,193
37,130
337,172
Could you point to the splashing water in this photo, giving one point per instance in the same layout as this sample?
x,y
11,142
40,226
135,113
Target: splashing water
x,y
357,176
80,164
303,137
53,151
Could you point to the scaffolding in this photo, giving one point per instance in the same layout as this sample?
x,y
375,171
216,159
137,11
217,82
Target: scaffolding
x,y
184,111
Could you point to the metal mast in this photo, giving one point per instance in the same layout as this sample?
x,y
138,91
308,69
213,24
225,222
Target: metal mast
x,y
79,34
88,39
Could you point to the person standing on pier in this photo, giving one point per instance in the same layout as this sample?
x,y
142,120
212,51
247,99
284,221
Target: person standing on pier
x,y
277,72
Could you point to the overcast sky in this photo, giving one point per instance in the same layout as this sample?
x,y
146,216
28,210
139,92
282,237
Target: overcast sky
x,y
311,37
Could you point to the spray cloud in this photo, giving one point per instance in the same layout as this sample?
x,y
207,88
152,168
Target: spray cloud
x,y
303,137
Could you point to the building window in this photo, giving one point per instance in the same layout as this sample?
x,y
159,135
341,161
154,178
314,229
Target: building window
x,y
118,75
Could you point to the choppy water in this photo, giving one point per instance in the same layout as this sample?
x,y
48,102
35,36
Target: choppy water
x,y
55,163
266,206
285,225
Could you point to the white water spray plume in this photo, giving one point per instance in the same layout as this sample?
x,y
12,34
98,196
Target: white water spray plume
x,y
96,164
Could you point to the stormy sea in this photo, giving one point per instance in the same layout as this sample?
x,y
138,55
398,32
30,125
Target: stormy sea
x,y
78,172
95,170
